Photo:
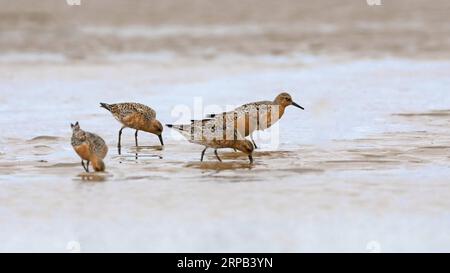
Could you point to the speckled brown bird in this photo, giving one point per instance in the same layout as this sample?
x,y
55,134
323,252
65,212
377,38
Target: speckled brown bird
x,y
136,116
215,133
258,115
89,147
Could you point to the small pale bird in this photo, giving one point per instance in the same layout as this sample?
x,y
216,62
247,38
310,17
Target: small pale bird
x,y
259,115
89,147
216,134
136,116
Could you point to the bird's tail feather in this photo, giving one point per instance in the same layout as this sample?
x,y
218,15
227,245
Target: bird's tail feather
x,y
105,105
184,130
177,127
98,164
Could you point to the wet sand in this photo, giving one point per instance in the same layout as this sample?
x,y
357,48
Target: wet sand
x,y
336,182
364,168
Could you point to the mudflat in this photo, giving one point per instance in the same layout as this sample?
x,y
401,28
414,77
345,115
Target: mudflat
x,y
364,168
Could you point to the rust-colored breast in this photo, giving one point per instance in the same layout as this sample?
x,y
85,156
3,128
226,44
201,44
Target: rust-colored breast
x,y
83,151
136,121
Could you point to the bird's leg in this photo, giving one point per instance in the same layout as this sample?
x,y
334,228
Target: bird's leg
x,y
250,157
135,137
84,167
217,155
87,165
161,140
253,141
120,138
203,154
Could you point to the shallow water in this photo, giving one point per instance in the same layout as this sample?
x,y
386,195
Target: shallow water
x,y
365,166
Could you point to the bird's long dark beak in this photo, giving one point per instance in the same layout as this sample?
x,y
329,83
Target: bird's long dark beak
x,y
296,105
161,140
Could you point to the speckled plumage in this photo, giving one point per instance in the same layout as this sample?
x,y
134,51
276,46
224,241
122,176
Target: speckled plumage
x,y
123,110
136,116
215,133
210,132
259,115
89,147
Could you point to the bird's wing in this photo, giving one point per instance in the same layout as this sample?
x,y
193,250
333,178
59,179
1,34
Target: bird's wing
x,y
246,109
129,110
221,128
208,131
188,131
148,112
98,144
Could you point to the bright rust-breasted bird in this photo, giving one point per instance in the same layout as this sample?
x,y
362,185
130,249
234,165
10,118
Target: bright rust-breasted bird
x,y
89,147
136,116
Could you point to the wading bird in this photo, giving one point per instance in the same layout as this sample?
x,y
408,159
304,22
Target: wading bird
x,y
89,147
136,116
258,115
215,134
